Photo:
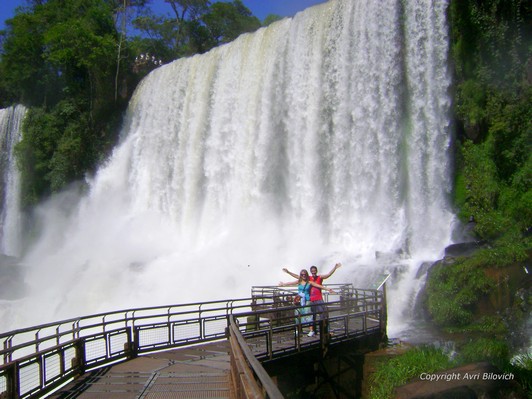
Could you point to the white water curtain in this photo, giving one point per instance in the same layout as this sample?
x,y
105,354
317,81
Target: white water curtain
x,y
10,212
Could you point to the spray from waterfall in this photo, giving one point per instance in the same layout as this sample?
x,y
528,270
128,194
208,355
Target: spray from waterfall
x,y
319,139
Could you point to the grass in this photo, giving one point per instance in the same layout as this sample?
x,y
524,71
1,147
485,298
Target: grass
x,y
399,370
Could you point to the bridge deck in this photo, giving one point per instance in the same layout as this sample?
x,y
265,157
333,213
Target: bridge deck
x,y
201,371
198,372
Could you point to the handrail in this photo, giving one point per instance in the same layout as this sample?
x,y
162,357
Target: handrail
x,y
37,359
247,372
73,328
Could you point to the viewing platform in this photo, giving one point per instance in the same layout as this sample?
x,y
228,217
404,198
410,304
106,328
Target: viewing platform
x,y
217,349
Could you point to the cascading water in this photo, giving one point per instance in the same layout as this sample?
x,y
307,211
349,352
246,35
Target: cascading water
x,y
10,213
322,138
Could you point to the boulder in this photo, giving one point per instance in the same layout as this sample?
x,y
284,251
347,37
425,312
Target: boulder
x,y
464,248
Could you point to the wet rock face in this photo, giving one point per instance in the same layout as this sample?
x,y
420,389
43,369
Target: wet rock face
x,y
11,278
477,380
464,248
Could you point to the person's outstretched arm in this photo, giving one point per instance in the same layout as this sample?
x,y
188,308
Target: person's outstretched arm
x,y
294,275
324,276
322,287
281,284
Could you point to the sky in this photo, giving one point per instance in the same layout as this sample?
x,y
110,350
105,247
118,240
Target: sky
x,y
259,8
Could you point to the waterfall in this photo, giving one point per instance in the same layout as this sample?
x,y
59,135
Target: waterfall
x,y
10,213
319,139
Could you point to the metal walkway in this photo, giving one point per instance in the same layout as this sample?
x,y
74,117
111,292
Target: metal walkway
x,y
198,372
202,371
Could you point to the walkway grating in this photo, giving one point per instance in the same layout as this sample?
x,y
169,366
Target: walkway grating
x,y
188,373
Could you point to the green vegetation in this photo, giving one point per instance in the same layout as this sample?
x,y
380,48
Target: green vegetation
x,y
495,351
491,49
399,370
453,290
521,367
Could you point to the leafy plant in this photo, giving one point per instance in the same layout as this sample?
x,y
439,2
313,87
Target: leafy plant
x,y
521,366
480,349
400,369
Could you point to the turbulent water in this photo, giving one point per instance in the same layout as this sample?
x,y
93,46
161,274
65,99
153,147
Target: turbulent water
x,y
322,138
10,214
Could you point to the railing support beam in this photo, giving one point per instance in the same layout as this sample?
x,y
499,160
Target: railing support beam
x,y
12,382
78,362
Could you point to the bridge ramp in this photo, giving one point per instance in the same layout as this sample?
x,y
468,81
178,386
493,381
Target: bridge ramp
x,y
197,372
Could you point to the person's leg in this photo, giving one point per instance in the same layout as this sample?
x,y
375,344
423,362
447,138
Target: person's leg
x,y
313,306
321,315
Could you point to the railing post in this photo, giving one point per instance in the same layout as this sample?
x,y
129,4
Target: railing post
x,y
79,361
324,338
384,311
129,346
135,345
269,344
8,355
12,382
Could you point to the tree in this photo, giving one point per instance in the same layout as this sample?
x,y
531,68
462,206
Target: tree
x,y
25,75
59,57
197,27
226,21
121,11
187,10
270,19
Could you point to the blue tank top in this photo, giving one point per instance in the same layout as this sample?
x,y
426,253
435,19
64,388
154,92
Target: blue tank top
x,y
304,292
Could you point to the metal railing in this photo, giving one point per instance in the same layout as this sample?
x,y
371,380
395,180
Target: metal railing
x,y
36,360
248,377
277,331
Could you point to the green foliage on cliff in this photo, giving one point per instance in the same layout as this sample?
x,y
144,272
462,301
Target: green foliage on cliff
x,y
491,48
453,290
59,58
57,148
